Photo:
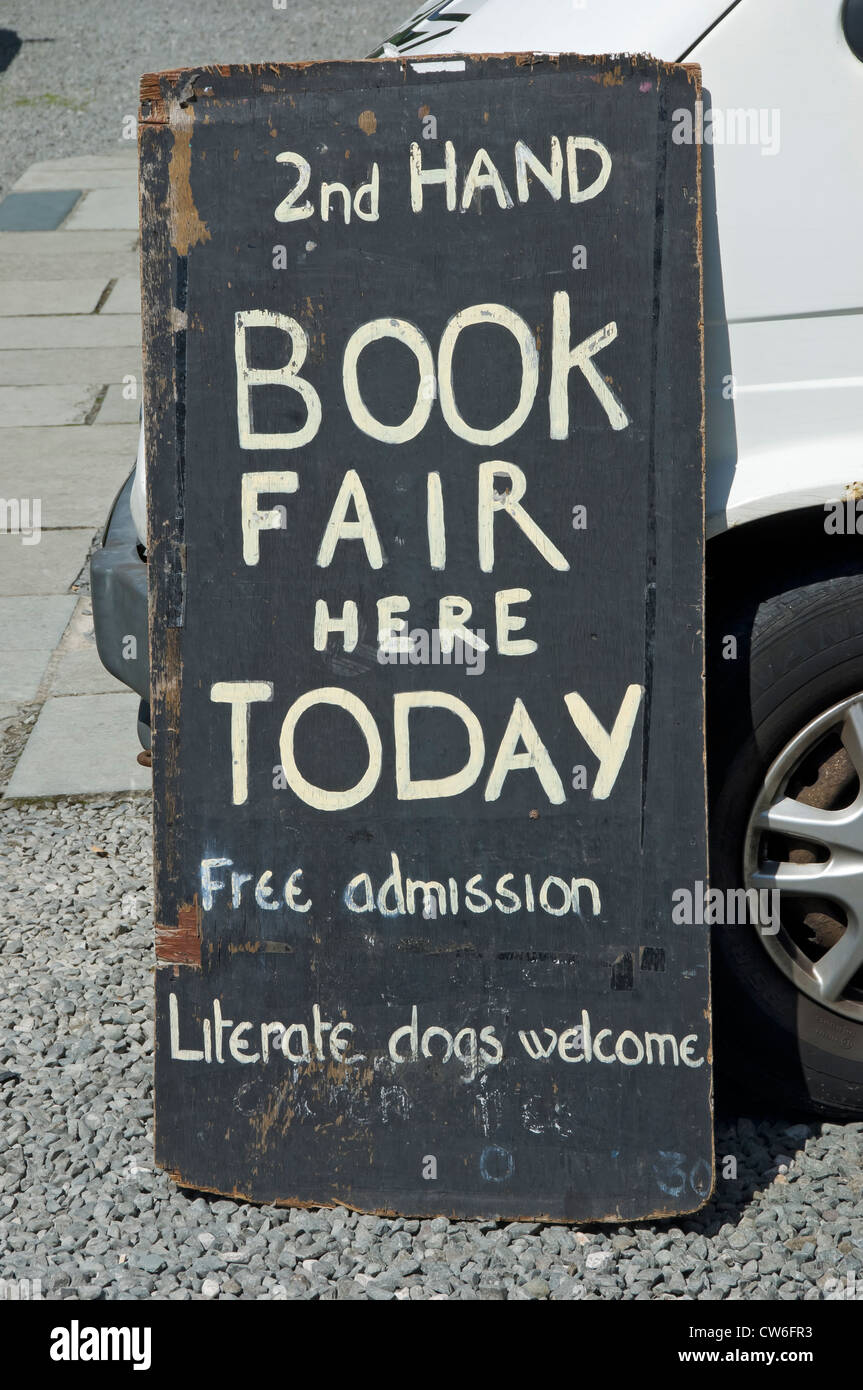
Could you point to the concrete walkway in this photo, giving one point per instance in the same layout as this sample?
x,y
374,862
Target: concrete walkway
x,y
70,393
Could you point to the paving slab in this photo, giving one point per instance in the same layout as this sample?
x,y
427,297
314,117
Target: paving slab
x,y
60,449
19,297
49,567
72,173
80,672
69,331
21,673
81,744
38,212
29,623
125,297
103,209
53,264
42,366
116,409
85,243
47,405
75,494
65,255
63,361
118,158
81,171
77,669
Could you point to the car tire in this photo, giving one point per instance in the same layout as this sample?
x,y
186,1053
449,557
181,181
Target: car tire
x,y
775,683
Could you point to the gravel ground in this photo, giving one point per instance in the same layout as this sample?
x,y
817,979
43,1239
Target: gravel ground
x,y
75,76
83,1210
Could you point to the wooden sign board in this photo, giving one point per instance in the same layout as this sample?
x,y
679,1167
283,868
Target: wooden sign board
x,y
424,441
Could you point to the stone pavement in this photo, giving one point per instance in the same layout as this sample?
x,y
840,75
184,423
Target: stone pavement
x,y
70,393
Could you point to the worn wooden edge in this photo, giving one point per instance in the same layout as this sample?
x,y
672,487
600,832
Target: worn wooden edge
x,y
239,1194
162,391
695,74
694,77
188,84
694,69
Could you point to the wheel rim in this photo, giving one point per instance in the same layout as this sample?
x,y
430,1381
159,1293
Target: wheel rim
x,y
805,839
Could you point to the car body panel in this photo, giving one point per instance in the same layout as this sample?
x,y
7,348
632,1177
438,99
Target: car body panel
x,y
558,26
785,271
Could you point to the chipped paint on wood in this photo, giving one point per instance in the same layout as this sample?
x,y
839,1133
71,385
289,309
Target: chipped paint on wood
x,y
187,229
181,945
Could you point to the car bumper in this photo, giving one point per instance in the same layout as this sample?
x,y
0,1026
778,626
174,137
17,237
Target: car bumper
x,y
118,580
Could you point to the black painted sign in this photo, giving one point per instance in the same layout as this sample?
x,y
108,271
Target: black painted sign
x,y
423,419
